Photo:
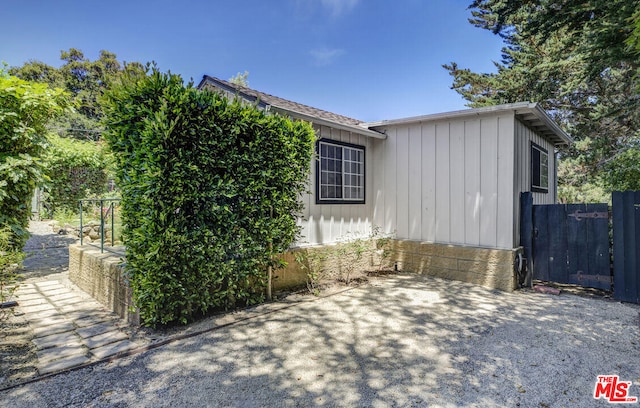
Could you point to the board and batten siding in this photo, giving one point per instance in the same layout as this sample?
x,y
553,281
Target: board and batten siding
x,y
329,223
524,136
447,181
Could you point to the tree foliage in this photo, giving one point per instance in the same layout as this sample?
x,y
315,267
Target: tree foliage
x,y
85,81
573,57
75,169
25,109
241,79
210,190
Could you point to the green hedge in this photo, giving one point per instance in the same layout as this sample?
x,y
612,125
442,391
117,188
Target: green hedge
x,y
76,169
206,185
25,109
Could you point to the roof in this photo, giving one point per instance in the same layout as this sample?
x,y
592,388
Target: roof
x,y
529,113
294,109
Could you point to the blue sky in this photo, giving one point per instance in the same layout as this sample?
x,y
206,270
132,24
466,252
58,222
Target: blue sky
x,y
368,59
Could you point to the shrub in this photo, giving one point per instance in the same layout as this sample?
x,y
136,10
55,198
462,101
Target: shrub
x,y
25,108
210,190
340,262
76,169
10,259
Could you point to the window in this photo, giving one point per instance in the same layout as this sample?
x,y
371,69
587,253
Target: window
x,y
339,173
539,169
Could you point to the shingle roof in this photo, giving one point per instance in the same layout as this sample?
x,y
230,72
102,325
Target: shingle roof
x,y
265,98
530,113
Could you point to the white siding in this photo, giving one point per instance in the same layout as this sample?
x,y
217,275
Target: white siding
x,y
524,137
522,183
452,181
473,199
428,182
442,182
449,181
327,223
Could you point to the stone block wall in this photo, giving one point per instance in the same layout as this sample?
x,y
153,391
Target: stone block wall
x,y
330,262
101,276
487,267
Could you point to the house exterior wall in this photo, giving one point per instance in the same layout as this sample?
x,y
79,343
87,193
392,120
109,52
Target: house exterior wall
x,y
524,136
448,181
330,223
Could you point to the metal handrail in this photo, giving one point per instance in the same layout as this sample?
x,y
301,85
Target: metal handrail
x,y
109,208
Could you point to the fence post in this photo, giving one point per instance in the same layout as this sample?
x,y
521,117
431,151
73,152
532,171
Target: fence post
x,y
101,226
526,233
81,227
112,222
626,239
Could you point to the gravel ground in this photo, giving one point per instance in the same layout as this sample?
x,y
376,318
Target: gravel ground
x,y
401,340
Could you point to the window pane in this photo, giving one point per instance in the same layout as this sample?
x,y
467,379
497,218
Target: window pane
x,y
535,167
341,172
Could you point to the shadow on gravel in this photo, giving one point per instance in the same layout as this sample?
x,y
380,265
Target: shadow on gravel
x,y
404,340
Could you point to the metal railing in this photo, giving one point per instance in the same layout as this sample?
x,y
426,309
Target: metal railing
x,y
107,213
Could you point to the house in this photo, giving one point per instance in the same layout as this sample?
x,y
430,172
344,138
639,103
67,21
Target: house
x,y
447,185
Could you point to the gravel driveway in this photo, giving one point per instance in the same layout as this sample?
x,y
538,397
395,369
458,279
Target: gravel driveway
x,y
402,340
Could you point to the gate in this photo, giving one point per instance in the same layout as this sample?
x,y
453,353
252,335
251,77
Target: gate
x,y
626,246
567,243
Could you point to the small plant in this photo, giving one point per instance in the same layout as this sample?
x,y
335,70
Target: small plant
x,y
313,261
383,250
350,255
342,261
10,260
66,216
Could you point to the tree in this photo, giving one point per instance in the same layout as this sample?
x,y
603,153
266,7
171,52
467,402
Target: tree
x,y
25,109
85,81
241,79
571,56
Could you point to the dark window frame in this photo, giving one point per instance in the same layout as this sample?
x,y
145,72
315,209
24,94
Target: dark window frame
x,y
331,142
536,154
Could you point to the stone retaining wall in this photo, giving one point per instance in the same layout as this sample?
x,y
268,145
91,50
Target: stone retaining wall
x,y
101,276
487,267
329,262
90,232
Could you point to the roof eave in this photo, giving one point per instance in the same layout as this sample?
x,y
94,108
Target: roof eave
x,y
536,118
530,113
324,122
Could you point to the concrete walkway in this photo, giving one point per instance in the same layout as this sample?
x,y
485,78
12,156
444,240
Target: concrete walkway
x,y
69,328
